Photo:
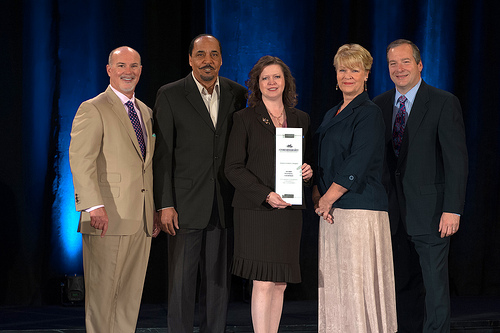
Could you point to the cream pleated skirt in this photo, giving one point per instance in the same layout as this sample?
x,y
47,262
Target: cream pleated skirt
x,y
356,275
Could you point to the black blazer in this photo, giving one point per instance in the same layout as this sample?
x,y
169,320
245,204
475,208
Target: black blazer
x,y
190,151
250,161
430,175
351,154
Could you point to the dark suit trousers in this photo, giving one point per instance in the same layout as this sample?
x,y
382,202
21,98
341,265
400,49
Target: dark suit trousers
x,y
207,251
422,283
433,253
410,291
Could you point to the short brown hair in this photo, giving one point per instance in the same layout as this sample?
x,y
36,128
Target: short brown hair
x,y
399,42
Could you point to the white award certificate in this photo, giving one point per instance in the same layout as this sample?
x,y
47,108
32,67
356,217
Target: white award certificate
x,y
288,164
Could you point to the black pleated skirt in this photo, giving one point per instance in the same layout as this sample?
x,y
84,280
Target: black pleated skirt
x,y
267,244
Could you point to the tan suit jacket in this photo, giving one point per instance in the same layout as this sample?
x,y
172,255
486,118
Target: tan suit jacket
x,y
107,165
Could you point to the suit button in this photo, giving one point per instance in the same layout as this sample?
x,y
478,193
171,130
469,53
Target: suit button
x,y
351,177
216,157
398,174
143,190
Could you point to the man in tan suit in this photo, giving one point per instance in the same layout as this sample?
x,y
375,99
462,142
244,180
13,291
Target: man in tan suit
x,y
110,154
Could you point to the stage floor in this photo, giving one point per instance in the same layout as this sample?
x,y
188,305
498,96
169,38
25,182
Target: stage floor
x,y
469,315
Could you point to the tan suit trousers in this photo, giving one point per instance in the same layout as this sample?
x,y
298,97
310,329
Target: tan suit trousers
x,y
114,270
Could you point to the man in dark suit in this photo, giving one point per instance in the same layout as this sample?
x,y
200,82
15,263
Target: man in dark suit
x,y
111,158
193,117
426,178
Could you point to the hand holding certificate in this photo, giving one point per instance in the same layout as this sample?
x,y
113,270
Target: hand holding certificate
x,y
288,164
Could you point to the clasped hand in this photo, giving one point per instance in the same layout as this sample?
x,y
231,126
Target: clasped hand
x,y
322,206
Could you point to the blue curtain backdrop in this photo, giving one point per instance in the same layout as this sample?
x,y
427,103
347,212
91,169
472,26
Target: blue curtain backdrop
x,y
55,54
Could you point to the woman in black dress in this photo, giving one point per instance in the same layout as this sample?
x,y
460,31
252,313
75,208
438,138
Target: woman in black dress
x,y
267,228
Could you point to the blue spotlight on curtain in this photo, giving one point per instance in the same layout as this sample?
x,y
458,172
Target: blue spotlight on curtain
x,y
384,31
436,42
433,35
82,60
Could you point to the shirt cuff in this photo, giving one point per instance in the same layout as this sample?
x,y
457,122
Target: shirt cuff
x,y
88,210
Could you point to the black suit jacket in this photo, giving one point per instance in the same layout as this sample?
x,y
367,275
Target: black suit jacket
x,y
190,151
251,154
429,177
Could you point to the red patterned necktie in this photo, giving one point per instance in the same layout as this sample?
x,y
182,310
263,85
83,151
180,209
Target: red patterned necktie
x,y
399,125
137,127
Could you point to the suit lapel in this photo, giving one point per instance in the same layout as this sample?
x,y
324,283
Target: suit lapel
x,y
341,116
387,112
263,118
194,97
226,100
417,113
147,120
387,106
291,118
331,118
121,114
